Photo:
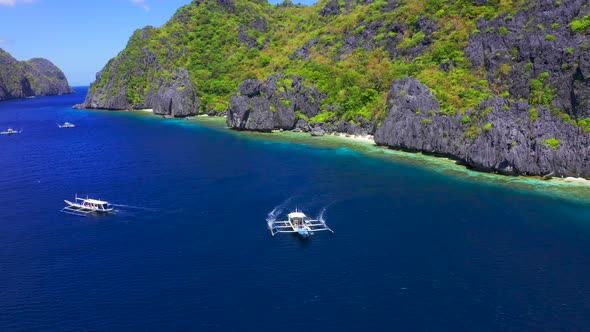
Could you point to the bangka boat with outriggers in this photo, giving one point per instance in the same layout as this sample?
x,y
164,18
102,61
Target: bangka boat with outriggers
x,y
10,131
66,125
84,206
298,222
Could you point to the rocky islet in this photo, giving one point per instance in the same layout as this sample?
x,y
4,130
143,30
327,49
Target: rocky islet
x,y
32,78
534,61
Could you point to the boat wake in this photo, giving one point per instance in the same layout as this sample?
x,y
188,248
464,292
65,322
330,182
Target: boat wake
x,y
277,210
320,217
297,221
286,204
136,207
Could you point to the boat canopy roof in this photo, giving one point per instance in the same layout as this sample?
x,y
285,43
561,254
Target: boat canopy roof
x,y
297,215
93,201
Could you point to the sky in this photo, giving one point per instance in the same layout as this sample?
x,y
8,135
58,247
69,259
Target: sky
x,y
78,36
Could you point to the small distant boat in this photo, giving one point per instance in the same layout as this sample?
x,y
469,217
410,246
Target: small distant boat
x,y
11,132
84,206
66,125
298,222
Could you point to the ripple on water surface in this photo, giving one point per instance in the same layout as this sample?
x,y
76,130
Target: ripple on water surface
x,y
419,243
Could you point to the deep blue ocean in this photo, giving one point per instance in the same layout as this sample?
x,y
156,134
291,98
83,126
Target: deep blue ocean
x,y
188,247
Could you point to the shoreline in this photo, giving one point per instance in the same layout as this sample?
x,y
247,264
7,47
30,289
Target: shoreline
x,y
571,179
368,139
570,188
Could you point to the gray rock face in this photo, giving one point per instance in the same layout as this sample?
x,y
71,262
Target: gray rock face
x,y
317,131
515,50
46,78
370,36
36,77
303,52
517,145
301,125
351,128
332,8
110,89
170,95
427,27
264,106
245,39
364,38
509,141
259,24
109,96
407,127
176,98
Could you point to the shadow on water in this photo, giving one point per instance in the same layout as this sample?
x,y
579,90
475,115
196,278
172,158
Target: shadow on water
x,y
571,190
413,238
299,241
133,207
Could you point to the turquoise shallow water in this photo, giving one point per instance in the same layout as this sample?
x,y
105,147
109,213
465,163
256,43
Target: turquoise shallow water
x,y
572,190
414,248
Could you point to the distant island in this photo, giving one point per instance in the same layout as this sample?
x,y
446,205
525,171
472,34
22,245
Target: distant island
x,y
500,86
32,78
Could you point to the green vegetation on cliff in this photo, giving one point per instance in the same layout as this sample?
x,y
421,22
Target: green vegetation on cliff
x,y
350,50
35,77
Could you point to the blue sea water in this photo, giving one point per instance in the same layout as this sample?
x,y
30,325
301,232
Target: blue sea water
x,y
189,248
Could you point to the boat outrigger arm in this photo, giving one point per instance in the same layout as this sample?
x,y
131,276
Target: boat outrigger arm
x,y
287,226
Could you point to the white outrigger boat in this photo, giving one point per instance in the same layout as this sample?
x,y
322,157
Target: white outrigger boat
x,y
10,132
298,222
83,206
66,125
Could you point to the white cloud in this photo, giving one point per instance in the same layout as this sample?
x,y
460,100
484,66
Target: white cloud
x,y
13,3
5,41
141,3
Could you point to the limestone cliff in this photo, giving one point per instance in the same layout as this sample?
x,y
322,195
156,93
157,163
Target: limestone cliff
x,y
534,119
501,86
134,80
274,104
502,139
36,77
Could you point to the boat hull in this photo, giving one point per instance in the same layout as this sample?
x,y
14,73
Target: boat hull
x,y
88,208
299,223
304,233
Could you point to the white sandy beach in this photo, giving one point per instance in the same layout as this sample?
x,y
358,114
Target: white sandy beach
x,y
369,139
570,179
